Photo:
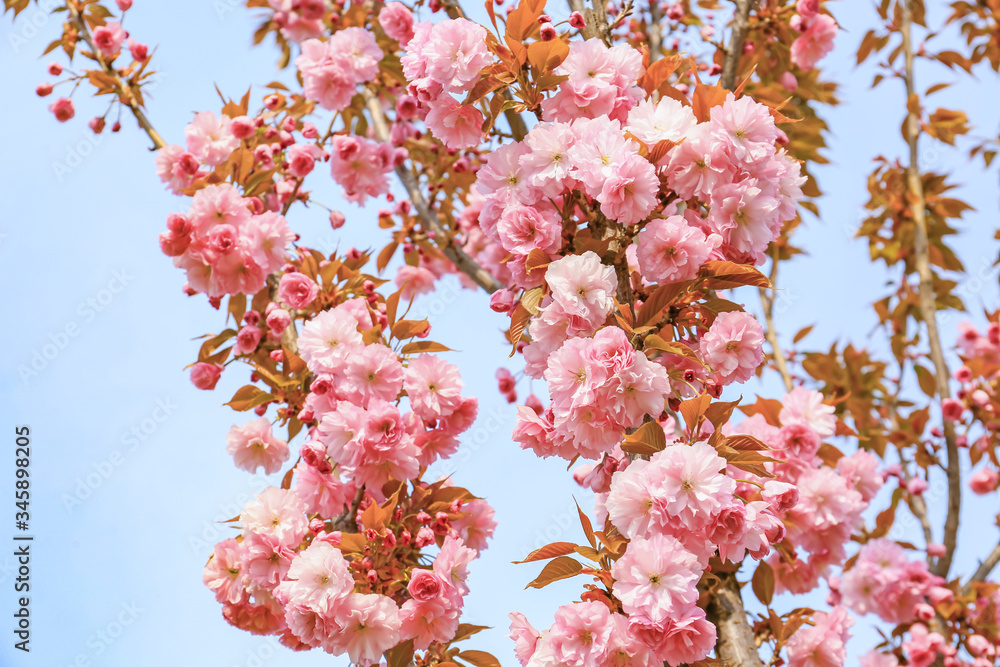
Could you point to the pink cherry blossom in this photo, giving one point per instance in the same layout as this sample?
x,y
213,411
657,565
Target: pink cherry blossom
x,y
656,579
670,250
733,347
254,445
210,138
815,42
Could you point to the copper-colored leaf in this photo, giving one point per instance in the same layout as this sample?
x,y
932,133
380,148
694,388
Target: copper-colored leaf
x,y
563,567
548,551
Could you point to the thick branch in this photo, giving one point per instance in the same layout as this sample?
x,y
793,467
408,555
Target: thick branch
x,y
731,63
735,644
928,307
596,19
125,87
458,257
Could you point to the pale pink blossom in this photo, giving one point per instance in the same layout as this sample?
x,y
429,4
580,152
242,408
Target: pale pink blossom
x,y
276,512
656,579
368,626
297,290
733,347
210,138
815,42
821,645
455,124
670,250
224,572
397,22
254,445
318,578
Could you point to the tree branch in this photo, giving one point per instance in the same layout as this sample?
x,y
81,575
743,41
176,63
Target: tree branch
x,y
462,261
767,303
125,87
731,63
984,570
735,644
596,19
928,307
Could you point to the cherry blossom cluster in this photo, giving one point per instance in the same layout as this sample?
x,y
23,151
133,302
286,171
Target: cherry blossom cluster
x,y
825,503
293,572
884,582
335,558
226,243
818,32
978,400
108,38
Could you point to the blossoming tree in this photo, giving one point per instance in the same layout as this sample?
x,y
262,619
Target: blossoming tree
x,y
609,174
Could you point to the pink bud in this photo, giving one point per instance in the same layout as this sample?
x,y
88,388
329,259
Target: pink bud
x,y
916,486
55,69
979,645
322,384
63,109
242,127
924,611
425,536
548,32
502,301
43,89
577,21
96,125
124,5
534,403
337,219
952,409
205,376
936,550
138,51
316,526
278,320
939,594
984,481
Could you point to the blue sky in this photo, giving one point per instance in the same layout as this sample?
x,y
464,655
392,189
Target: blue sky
x,y
129,468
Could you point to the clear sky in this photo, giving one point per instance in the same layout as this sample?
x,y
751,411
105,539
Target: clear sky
x,y
129,468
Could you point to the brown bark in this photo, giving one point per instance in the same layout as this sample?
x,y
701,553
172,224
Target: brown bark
x,y
928,305
735,644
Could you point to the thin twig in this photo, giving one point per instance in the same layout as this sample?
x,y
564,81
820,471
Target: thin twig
x,y
984,570
462,261
125,87
767,304
928,307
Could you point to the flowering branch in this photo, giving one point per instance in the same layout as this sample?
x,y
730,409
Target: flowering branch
x,y
458,257
928,307
126,88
